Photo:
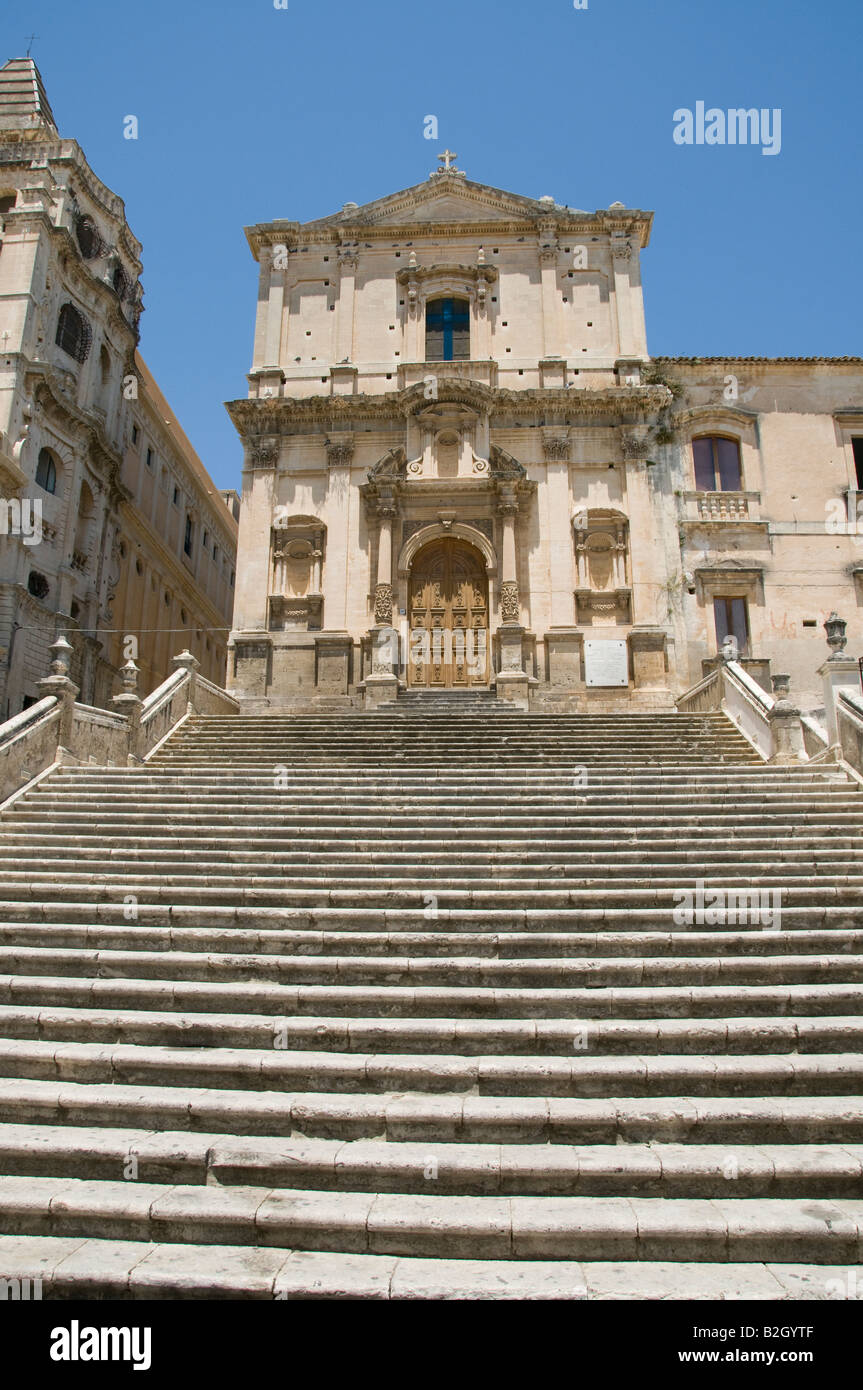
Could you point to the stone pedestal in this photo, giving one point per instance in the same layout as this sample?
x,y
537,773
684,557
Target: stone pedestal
x,y
565,649
294,664
511,682
787,731
838,672
380,690
647,645
333,662
514,686
251,664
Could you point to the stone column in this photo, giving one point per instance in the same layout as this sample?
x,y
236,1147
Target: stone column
x,y
511,682
382,684
384,585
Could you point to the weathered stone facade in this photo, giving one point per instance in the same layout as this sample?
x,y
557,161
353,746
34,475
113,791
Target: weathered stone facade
x,y
89,449
455,376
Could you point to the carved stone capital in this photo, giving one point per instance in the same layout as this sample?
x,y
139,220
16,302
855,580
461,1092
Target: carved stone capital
x,y
635,445
340,450
262,453
555,444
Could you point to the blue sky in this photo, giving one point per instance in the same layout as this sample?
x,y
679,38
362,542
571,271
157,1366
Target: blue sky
x,y
247,112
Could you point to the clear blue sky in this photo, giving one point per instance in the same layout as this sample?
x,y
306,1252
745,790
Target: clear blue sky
x,y
248,113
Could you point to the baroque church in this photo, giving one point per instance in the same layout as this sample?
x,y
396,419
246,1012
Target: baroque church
x,y
464,470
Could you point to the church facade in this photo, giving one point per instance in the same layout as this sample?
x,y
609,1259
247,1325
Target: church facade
x,y
463,470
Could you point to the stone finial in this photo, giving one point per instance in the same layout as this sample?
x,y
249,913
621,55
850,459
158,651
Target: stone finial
x,y
729,650
781,686
185,661
129,677
63,652
835,627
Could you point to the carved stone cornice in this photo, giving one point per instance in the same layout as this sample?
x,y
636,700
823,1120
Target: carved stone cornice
x,y
284,415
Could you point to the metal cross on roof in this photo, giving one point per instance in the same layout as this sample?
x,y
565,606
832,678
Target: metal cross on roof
x,y
33,38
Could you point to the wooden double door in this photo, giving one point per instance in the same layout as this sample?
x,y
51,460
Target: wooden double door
x,y
448,613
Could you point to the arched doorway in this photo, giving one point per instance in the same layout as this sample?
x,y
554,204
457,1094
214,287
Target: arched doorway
x,y
448,612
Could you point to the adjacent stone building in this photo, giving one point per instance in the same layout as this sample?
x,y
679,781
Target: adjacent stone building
x,y
110,527
462,468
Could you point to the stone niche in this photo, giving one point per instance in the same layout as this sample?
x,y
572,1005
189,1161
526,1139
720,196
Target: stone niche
x,y
295,601
603,594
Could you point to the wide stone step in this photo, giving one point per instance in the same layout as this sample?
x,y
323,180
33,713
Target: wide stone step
x,y
377,887
647,1170
794,916
503,1228
187,868
396,1001
72,1268
565,973
468,1037
750,942
432,1117
580,1076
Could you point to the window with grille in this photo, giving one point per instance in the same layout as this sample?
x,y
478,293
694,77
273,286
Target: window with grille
x,y
88,238
448,330
717,464
73,333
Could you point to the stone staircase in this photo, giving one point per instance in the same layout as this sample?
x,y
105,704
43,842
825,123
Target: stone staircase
x,y
395,1005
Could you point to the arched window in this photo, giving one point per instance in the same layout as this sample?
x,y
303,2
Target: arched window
x,y
717,464
46,471
73,333
447,330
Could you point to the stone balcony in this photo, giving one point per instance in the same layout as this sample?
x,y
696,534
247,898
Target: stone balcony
x,y
720,507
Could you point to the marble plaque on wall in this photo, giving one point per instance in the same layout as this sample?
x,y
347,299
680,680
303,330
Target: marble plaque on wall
x,y
605,663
